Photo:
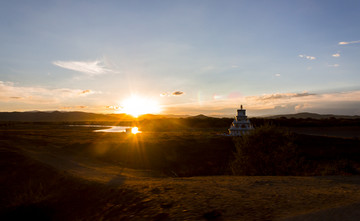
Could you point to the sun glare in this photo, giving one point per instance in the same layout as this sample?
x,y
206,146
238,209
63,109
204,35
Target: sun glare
x,y
134,130
137,106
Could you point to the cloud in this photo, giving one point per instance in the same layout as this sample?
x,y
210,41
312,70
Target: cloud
x,y
348,42
307,57
277,75
37,95
175,93
295,102
277,103
113,107
217,97
301,107
334,65
91,68
73,107
336,55
86,92
278,96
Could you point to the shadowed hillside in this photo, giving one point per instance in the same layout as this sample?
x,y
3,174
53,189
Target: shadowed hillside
x,y
305,115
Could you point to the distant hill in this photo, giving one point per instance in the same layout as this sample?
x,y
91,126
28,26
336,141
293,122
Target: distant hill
x,y
162,116
38,116
305,115
200,116
60,116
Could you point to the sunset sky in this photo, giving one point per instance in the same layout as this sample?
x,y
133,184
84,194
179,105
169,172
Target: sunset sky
x,y
190,57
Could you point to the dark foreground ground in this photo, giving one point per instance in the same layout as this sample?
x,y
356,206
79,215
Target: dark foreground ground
x,y
55,172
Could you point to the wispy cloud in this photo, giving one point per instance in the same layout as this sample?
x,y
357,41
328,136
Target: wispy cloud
x,y
276,103
175,93
295,102
10,92
334,65
278,96
277,75
348,42
113,107
91,68
336,55
78,107
86,92
307,57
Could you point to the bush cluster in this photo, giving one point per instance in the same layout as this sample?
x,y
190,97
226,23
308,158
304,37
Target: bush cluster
x,y
267,150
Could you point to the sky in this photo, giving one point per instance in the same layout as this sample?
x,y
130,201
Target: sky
x,y
188,57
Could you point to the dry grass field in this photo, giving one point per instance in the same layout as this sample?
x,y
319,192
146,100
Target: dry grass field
x,y
57,172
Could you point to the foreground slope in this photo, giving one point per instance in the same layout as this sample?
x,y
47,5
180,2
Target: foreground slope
x,y
60,185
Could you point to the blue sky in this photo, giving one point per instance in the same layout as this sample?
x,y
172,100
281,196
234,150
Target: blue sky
x,y
191,57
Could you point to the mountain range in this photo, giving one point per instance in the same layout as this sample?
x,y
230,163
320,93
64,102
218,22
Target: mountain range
x,y
59,116
305,115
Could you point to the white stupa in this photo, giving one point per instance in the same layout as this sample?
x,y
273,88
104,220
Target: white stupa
x,y
241,124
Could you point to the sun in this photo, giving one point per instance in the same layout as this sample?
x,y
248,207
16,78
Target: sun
x,y
137,106
135,130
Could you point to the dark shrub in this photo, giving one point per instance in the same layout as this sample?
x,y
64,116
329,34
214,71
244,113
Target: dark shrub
x,y
267,150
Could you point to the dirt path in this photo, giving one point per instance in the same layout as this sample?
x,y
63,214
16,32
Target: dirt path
x,y
222,197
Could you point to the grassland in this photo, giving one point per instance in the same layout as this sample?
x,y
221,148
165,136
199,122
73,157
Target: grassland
x,y
51,171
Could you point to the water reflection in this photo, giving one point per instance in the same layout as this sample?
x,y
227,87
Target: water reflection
x,y
113,129
120,129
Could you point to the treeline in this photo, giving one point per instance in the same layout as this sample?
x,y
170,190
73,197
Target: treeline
x,y
305,122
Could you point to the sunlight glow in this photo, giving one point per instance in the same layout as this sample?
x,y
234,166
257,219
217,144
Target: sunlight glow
x,y
137,106
134,130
